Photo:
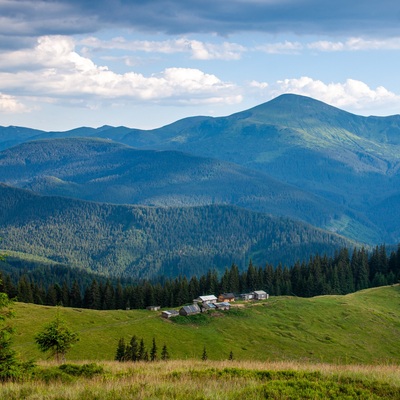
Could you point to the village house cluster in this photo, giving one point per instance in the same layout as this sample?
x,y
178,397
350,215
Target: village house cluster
x,y
211,302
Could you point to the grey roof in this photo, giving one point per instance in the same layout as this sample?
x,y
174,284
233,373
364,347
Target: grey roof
x,y
193,308
259,292
171,312
209,297
228,295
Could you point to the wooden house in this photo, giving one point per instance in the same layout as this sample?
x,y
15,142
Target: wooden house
x,y
206,299
224,305
247,296
189,310
169,314
226,297
153,308
260,295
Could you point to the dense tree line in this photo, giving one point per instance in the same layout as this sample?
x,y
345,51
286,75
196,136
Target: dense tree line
x,y
146,242
347,271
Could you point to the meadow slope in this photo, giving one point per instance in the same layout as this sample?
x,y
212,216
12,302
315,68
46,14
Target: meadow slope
x,y
359,328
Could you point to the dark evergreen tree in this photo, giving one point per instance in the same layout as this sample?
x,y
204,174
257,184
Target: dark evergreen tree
x,y
132,350
121,349
164,353
75,295
142,351
204,356
153,351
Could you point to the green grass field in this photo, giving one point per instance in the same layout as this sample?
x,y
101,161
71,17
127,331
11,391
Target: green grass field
x,y
360,328
201,380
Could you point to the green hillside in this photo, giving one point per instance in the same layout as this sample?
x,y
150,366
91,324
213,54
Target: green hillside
x,y
106,171
319,164
360,328
149,241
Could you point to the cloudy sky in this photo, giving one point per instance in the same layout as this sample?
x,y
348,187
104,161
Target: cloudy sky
x,y
147,63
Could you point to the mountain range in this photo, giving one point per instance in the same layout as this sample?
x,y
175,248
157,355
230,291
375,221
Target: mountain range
x,y
145,242
292,157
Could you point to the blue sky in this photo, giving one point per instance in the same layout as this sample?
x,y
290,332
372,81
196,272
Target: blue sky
x,y
144,64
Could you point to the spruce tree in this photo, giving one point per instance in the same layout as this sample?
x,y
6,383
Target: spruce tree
x,y
204,355
132,350
153,351
142,351
121,349
10,366
56,338
164,353
231,356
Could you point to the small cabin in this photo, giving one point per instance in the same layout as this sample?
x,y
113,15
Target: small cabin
x,y
247,296
169,314
260,295
226,297
189,310
153,308
206,299
224,305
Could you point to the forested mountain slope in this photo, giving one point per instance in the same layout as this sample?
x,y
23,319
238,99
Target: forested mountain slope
x,y
106,171
148,241
345,159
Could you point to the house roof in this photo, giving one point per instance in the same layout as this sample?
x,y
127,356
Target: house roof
x,y
222,304
170,312
228,295
210,297
259,292
193,308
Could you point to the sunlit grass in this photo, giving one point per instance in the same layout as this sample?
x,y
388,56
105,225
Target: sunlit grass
x,y
192,379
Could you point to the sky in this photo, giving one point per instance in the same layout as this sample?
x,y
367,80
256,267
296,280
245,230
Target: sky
x,y
147,63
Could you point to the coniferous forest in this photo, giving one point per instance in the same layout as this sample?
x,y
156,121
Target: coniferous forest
x,y
346,272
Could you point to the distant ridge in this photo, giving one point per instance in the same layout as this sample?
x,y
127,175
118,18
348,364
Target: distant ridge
x,y
348,162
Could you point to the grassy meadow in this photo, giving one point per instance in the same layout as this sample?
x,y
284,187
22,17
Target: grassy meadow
x,y
327,347
359,328
192,379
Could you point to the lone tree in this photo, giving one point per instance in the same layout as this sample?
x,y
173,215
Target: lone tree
x,y
153,351
204,355
164,353
57,338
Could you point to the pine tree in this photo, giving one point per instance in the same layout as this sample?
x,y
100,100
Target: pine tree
x,y
75,295
121,349
153,351
57,338
142,351
10,366
164,353
231,356
204,355
132,350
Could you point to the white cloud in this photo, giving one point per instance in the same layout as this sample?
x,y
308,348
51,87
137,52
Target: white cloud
x,y
281,48
10,105
352,94
357,44
54,68
198,50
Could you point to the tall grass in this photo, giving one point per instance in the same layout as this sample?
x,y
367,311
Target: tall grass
x,y
192,379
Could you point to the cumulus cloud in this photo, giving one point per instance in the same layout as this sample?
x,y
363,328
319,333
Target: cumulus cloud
x,y
352,94
53,68
49,17
10,105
